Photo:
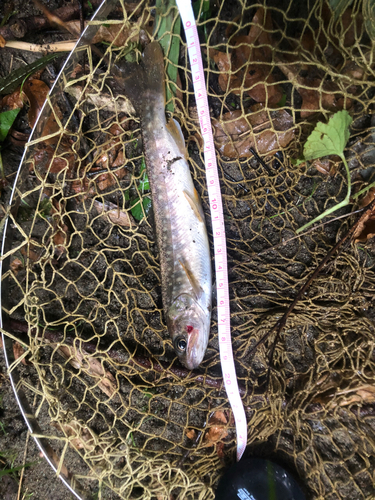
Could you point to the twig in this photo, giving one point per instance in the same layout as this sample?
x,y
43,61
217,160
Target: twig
x,y
22,26
67,46
260,160
279,325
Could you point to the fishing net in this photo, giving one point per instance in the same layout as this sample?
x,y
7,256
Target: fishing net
x,y
84,272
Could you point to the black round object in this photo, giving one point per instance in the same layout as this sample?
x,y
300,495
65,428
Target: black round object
x,y
258,479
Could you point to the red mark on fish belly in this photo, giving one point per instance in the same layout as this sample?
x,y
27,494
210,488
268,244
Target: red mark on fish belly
x,y
189,329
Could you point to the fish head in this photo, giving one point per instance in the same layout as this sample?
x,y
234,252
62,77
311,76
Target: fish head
x,y
189,327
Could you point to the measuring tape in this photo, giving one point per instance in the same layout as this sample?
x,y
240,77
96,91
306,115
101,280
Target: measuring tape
x,y
217,218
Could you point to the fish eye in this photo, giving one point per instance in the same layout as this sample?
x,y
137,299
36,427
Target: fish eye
x,y
180,344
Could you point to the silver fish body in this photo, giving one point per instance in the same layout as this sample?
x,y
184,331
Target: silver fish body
x,y
181,232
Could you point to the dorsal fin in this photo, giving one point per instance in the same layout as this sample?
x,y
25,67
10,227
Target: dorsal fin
x,y
195,205
174,129
197,289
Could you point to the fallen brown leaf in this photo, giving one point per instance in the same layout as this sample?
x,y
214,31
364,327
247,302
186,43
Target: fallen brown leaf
x,y
106,180
32,251
114,214
102,100
366,228
235,134
48,160
12,101
362,394
220,450
368,198
214,434
19,351
119,34
80,436
327,166
36,92
16,265
18,138
190,433
317,94
92,366
217,430
242,70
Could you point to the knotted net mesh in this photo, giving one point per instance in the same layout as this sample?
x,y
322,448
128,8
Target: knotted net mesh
x,y
87,283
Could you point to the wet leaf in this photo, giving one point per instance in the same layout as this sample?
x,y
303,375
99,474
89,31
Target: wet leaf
x,y
102,100
92,366
325,97
214,434
80,436
6,121
217,430
368,198
138,207
118,34
318,94
47,159
235,133
222,61
19,352
106,180
32,251
190,433
114,214
366,228
36,92
12,101
249,51
364,394
326,166
16,265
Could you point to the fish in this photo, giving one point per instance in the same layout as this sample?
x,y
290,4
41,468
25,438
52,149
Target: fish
x,y
181,232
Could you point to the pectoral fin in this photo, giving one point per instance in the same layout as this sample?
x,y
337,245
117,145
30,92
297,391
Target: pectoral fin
x,y
174,129
195,205
197,289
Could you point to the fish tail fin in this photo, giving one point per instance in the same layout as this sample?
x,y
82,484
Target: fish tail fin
x,y
143,83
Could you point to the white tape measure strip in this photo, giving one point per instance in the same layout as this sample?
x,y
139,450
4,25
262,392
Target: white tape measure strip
x,y
217,218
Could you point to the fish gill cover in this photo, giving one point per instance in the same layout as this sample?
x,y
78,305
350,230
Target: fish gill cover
x,y
84,277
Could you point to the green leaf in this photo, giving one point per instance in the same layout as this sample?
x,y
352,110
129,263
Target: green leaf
x,y
6,121
282,101
143,184
328,138
136,207
45,208
339,7
167,33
